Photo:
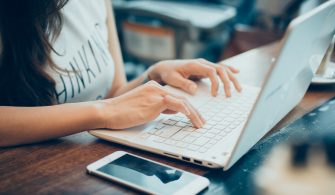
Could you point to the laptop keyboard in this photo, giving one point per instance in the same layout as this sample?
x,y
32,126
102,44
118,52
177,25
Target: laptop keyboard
x,y
223,116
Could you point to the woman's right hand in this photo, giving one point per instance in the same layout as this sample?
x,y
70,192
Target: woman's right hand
x,y
143,104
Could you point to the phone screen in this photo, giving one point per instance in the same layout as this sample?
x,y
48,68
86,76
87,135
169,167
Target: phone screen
x,y
151,176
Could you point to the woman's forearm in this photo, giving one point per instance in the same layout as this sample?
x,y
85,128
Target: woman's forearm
x,y
128,86
20,125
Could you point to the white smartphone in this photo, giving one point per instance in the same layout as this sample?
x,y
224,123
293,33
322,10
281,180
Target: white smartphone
x,y
146,175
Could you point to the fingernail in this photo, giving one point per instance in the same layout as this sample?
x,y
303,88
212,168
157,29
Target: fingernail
x,y
192,88
197,124
187,112
200,123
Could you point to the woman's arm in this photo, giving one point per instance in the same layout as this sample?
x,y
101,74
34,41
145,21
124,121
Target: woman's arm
x,y
19,125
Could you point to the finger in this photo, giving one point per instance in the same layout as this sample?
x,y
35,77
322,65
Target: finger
x,y
214,81
233,70
213,65
195,116
233,79
225,80
176,80
202,69
180,105
197,112
175,104
230,73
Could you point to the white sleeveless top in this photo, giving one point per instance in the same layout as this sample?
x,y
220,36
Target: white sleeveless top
x,y
83,51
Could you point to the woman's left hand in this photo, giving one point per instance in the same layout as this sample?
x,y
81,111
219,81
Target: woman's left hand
x,y
182,73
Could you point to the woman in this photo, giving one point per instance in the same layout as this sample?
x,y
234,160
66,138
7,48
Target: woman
x,y
62,73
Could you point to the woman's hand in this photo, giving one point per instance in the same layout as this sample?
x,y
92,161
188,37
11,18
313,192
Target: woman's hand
x,y
181,73
144,104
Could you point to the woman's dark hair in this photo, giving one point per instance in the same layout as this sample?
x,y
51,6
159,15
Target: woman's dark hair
x,y
27,28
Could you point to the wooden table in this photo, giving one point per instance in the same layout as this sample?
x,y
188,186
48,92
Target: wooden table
x,y
58,166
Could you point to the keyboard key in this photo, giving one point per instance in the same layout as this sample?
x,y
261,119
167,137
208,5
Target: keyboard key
x,y
207,126
229,119
236,123
215,131
158,132
218,119
170,142
219,127
201,141
210,122
223,133
159,126
181,124
168,131
209,135
235,116
201,130
203,150
151,131
169,122
239,112
206,117
212,141
181,144
208,146
193,147
226,111
196,134
145,135
218,137
180,135
224,123
189,129
158,139
189,139
233,126
177,118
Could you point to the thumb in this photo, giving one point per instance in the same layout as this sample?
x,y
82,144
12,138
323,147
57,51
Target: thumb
x,y
185,84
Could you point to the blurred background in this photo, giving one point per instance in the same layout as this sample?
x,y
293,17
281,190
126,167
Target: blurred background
x,y
154,30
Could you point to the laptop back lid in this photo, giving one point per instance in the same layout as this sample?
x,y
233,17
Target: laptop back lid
x,y
307,36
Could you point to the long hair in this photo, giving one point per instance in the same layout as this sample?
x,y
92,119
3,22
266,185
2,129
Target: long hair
x,y
27,28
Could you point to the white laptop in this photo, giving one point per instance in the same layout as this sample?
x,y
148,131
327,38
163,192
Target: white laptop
x,y
235,124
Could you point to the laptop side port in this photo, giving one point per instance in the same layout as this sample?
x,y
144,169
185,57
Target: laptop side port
x,y
186,158
197,162
172,155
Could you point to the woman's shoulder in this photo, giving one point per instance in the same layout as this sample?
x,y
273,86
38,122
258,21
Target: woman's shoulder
x,y
85,8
